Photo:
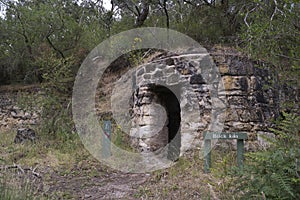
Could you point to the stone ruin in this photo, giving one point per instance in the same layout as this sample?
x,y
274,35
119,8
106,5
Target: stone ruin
x,y
172,100
176,97
12,116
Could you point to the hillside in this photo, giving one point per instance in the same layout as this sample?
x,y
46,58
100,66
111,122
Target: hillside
x,y
59,167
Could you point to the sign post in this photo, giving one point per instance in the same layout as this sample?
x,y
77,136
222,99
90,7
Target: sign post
x,y
208,136
106,151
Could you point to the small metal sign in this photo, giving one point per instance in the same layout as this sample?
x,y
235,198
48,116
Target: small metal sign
x,y
226,136
208,136
106,148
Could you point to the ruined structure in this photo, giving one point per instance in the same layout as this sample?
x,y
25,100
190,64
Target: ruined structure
x,y
168,103
178,96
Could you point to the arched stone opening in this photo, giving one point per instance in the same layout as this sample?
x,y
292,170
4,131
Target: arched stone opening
x,y
156,124
226,97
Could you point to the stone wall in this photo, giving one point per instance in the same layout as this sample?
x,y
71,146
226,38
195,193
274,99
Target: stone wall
x,y
245,99
173,100
13,114
253,98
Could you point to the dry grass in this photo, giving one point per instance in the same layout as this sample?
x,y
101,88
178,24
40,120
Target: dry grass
x,y
187,180
44,157
184,180
62,165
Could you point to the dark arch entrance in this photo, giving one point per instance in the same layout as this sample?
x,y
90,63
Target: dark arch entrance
x,y
170,102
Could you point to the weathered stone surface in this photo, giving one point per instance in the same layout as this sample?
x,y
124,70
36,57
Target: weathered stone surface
x,y
262,139
141,71
197,79
24,134
235,83
150,67
173,79
244,104
158,74
170,70
224,69
12,116
231,115
240,68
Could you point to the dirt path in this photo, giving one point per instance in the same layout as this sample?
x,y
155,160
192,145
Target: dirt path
x,y
88,182
115,185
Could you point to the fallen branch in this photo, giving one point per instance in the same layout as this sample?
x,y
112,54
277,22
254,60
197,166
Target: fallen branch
x,y
22,170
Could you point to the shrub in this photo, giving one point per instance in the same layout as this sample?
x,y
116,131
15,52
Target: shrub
x,y
55,104
274,173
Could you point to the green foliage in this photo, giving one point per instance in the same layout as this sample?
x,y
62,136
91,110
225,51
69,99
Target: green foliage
x,y
205,24
120,139
274,173
268,30
53,101
271,33
135,56
56,104
31,28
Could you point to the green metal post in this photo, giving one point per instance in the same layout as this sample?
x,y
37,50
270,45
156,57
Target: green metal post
x,y
207,155
240,153
106,151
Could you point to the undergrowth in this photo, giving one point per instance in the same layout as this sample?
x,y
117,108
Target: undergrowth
x,y
272,173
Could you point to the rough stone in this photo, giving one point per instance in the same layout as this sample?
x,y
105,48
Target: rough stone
x,y
147,76
203,100
140,72
224,69
24,134
235,83
158,74
197,79
173,79
150,67
262,139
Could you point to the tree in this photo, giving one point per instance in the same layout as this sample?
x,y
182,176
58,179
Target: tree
x,y
271,33
33,27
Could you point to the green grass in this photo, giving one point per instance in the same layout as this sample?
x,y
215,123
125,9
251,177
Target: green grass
x,y
184,180
60,156
187,180
16,191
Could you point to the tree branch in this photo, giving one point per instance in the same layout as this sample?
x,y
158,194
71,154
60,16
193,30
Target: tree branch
x,y
166,13
246,16
297,165
275,10
52,45
143,14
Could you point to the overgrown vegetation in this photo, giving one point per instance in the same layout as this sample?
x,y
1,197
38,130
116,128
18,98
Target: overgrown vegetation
x,y
274,173
269,174
12,188
184,180
267,30
46,41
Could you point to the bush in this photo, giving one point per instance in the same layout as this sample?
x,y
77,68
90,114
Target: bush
x,y
274,173
56,106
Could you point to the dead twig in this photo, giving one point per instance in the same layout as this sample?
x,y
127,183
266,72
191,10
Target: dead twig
x,y
276,10
246,16
22,170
